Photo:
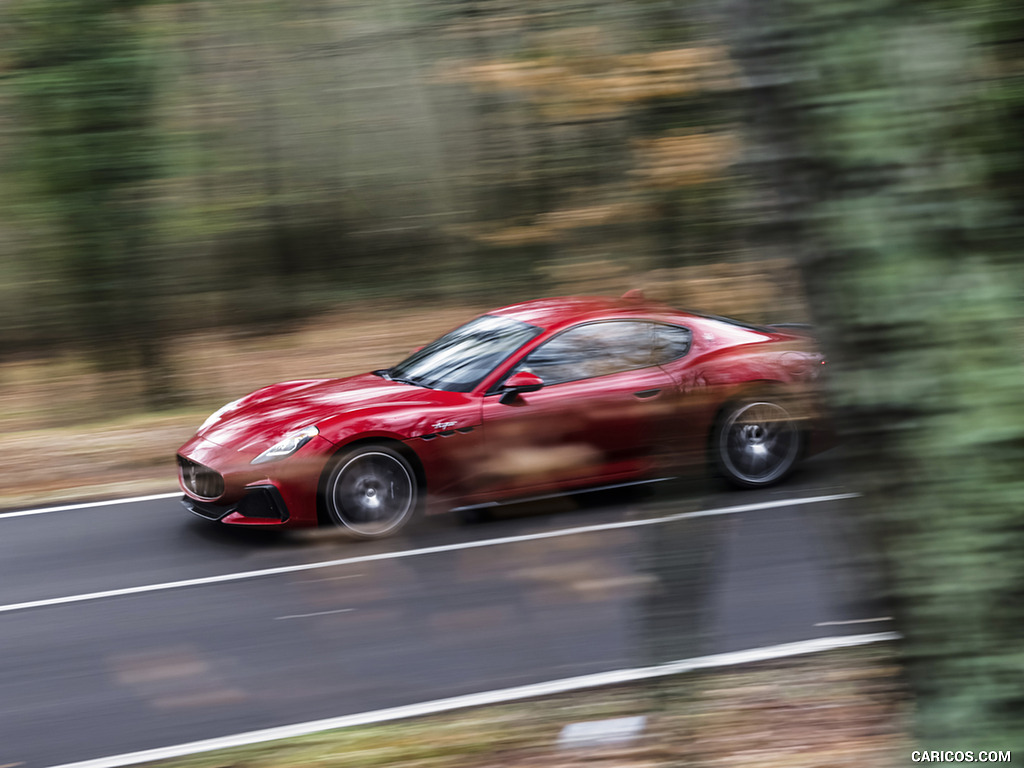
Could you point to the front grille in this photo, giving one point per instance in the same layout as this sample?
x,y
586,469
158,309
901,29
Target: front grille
x,y
202,481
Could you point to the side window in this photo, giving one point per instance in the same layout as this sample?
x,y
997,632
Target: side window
x,y
671,342
594,349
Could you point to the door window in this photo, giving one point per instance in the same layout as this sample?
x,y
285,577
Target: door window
x,y
590,350
670,342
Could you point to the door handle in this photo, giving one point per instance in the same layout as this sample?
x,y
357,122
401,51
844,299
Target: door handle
x,y
646,393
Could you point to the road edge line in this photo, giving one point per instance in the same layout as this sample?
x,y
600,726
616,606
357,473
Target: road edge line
x,y
87,505
500,696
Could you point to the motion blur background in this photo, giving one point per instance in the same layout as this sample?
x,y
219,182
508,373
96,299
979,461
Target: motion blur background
x,y
187,184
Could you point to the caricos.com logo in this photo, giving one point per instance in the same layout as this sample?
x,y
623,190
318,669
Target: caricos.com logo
x,y
959,756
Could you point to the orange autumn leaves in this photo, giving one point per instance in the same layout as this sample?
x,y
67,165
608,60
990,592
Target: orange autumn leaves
x,y
574,87
582,86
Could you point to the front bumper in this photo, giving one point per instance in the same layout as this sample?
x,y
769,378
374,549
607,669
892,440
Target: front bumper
x,y
261,505
221,484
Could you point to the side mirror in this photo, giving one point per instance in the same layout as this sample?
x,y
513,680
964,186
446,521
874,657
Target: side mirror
x,y
518,383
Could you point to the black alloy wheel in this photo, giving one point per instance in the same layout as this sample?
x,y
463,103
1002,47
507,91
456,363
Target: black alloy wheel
x,y
371,492
757,443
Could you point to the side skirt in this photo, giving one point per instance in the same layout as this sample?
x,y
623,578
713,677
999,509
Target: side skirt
x,y
561,494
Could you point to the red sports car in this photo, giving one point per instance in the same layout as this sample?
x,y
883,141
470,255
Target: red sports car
x,y
544,397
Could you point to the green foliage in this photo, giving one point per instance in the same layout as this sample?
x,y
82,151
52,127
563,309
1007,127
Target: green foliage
x,y
82,89
895,126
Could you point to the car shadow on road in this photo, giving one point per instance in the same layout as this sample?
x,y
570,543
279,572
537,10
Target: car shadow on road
x,y
235,536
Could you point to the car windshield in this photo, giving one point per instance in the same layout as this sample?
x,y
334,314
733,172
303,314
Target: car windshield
x,y
460,360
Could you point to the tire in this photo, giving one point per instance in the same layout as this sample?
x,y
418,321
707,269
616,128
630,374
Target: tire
x,y
756,443
371,492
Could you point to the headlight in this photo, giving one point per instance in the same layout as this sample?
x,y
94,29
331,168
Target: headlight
x,y
218,413
291,443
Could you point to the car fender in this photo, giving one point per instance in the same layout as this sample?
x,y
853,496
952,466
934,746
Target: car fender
x,y
444,438
751,362
788,370
442,412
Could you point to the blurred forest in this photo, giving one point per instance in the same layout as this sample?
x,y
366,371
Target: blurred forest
x,y
175,166
172,166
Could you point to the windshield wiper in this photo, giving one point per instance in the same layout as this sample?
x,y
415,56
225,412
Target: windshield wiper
x,y
412,382
385,373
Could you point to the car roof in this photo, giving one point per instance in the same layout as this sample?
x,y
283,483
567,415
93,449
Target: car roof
x,y
548,313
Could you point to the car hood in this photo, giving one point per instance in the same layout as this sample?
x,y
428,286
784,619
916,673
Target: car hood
x,y
265,416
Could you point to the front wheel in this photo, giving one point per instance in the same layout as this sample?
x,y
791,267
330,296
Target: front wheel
x,y
371,492
756,443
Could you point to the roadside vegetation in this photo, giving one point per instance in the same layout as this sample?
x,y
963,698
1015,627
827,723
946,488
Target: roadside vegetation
x,y
67,438
837,709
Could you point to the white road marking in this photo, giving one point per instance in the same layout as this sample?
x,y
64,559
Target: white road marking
x,y
310,615
852,621
88,504
615,677
329,578
244,575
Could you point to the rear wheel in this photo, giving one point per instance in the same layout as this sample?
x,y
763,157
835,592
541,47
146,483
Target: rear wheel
x,y
756,443
371,492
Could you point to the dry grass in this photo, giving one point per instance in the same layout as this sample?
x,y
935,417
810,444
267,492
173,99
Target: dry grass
x,y
64,440
826,711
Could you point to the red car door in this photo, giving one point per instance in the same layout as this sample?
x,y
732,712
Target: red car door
x,y
604,414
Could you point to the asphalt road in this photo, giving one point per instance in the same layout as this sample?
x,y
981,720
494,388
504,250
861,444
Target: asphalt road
x,y
109,674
